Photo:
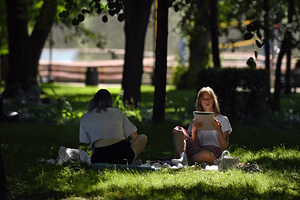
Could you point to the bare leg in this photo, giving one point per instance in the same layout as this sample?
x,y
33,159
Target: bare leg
x,y
138,144
180,144
179,141
204,156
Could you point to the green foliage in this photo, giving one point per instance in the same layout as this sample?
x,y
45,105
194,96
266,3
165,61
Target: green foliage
x,y
178,77
130,111
253,29
59,111
251,63
112,7
242,92
3,30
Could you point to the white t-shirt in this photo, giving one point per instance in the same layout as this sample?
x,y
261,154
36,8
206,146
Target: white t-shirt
x,y
112,124
211,137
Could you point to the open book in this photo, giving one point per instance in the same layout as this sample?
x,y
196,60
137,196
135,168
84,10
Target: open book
x,y
207,118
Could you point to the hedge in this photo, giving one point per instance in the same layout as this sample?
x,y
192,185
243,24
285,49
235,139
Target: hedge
x,y
242,92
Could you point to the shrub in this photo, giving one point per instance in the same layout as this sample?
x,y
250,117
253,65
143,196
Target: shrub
x,y
59,111
178,77
242,92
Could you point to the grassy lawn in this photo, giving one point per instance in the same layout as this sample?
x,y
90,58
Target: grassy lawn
x,y
272,142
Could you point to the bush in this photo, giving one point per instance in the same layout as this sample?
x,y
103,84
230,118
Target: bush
x,y
59,111
178,77
243,93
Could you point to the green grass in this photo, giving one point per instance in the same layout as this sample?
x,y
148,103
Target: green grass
x,y
272,143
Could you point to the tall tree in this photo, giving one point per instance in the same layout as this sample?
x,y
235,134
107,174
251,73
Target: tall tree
x,y
291,8
278,10
214,32
277,90
160,72
136,21
285,48
4,191
3,42
24,48
136,15
267,44
197,27
266,8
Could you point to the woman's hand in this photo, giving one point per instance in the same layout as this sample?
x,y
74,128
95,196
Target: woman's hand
x,y
217,126
196,126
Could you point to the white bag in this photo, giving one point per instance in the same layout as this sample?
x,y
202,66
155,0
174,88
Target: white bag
x,y
68,154
227,162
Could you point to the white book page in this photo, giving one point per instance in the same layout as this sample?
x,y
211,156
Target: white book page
x,y
207,118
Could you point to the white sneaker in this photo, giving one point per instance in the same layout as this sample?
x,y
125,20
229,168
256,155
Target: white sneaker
x,y
181,160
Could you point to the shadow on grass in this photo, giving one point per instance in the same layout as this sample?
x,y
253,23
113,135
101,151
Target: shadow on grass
x,y
197,191
40,195
269,163
205,191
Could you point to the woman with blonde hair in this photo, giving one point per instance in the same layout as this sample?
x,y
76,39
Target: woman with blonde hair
x,y
197,145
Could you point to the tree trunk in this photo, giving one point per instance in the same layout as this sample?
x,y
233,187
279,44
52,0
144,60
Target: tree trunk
x,y
40,33
137,18
291,7
160,73
199,40
3,183
25,51
18,43
287,86
277,92
267,45
3,67
214,32
4,191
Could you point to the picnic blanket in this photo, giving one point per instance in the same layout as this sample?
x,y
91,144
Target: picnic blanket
x,y
66,155
104,166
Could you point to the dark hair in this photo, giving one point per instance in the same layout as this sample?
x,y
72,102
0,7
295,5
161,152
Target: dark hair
x,y
102,100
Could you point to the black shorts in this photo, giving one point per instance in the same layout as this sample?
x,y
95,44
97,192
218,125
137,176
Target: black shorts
x,y
119,153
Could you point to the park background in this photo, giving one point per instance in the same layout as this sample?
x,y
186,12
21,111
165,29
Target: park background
x,y
270,139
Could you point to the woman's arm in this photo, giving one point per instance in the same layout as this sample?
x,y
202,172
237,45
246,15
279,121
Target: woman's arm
x,y
224,139
196,126
223,136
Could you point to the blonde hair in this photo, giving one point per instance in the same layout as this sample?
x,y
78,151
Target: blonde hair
x,y
212,94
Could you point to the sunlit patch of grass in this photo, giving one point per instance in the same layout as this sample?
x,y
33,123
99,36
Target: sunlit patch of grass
x,y
167,184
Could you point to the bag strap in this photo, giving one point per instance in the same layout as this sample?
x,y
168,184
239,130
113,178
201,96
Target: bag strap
x,y
224,152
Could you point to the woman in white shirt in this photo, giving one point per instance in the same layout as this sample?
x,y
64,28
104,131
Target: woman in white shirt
x,y
106,129
203,145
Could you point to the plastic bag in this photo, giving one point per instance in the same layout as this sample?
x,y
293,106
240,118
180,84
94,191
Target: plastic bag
x,y
68,154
